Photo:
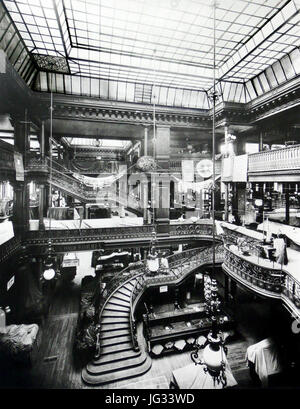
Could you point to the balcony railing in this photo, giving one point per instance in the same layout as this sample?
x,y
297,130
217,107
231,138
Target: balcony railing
x,y
260,275
91,238
265,278
201,228
62,179
284,159
262,278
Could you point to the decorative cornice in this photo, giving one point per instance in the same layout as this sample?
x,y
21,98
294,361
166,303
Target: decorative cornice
x,y
284,97
276,106
134,116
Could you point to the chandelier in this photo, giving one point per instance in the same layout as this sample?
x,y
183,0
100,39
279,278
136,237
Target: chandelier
x,y
49,262
146,164
214,350
153,262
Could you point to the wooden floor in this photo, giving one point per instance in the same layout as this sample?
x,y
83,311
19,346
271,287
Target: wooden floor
x,y
54,366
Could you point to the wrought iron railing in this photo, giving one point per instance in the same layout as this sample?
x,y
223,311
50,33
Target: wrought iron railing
x,y
180,266
258,274
137,289
88,236
264,277
62,179
202,227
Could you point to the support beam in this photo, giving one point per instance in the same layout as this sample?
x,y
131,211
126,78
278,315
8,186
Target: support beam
x,y
21,208
146,129
260,141
41,207
287,205
42,139
21,135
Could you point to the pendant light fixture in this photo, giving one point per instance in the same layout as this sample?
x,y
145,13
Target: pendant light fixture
x,y
213,358
152,262
49,272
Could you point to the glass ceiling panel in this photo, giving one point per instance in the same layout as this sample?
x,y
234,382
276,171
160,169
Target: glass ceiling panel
x,y
164,42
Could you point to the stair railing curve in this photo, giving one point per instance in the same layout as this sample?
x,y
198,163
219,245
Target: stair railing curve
x,y
143,280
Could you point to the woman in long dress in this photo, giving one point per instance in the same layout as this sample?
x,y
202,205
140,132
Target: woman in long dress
x,y
281,253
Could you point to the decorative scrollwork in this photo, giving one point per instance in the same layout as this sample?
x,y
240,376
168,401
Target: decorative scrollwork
x,y
259,276
52,63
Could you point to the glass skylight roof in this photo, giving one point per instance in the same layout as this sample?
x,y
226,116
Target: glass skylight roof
x,y
168,43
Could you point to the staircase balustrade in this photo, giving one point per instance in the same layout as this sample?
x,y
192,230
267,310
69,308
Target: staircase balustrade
x,y
180,265
61,178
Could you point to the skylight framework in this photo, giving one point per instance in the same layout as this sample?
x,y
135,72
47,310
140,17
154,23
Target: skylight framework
x,y
15,48
106,48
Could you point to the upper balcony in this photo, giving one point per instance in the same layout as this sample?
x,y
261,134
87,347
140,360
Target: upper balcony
x,y
284,162
261,275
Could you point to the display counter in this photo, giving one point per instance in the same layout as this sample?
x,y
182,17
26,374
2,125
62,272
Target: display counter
x,y
178,330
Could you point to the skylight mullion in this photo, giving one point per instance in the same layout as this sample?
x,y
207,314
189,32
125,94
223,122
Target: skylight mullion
x,y
3,16
18,41
21,15
47,24
146,70
19,60
23,65
6,30
28,72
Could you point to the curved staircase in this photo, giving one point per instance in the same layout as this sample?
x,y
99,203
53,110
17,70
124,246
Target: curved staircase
x,y
119,359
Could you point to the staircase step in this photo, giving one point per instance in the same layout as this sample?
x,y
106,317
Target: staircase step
x,y
129,285
116,366
116,375
115,327
119,296
112,307
117,301
113,320
125,292
116,314
115,341
113,349
118,356
114,334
